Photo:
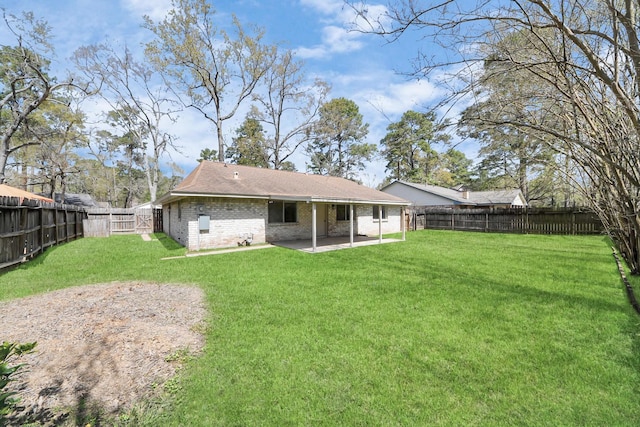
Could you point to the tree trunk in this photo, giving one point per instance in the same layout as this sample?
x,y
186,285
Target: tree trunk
x,y
3,159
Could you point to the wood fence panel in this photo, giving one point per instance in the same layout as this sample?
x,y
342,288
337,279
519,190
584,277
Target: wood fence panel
x,y
48,224
125,221
530,221
28,227
96,227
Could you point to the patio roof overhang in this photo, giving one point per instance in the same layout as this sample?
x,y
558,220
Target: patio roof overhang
x,y
174,196
313,200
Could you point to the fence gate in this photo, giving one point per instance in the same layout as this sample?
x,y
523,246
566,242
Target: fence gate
x,y
124,221
144,220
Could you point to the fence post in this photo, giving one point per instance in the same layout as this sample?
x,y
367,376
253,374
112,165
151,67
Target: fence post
x,y
55,223
66,225
42,228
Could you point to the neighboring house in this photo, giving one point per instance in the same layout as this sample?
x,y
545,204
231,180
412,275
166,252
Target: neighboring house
x,y
222,205
147,206
432,195
8,191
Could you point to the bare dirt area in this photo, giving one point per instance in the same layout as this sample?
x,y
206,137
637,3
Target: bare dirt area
x,y
104,346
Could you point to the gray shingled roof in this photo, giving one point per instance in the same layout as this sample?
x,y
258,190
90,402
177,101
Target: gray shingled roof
x,y
448,193
496,197
77,199
215,179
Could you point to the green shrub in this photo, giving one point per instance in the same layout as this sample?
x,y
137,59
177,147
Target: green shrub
x,y
8,349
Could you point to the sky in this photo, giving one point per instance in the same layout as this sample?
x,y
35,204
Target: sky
x,y
364,68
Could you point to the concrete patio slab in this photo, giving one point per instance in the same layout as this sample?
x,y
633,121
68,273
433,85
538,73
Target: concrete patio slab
x,y
331,243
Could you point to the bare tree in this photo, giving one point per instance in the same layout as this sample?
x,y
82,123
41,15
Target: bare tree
x,y
584,57
25,83
140,103
288,107
212,71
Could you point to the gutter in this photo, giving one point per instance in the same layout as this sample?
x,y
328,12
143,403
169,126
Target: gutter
x,y
169,197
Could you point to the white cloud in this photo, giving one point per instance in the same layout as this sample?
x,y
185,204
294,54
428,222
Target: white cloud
x,y
340,40
337,36
327,7
397,98
316,52
156,9
334,40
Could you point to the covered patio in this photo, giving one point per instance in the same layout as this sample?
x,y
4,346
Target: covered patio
x,y
332,243
220,205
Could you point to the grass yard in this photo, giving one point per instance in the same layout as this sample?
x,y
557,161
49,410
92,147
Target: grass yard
x,y
447,328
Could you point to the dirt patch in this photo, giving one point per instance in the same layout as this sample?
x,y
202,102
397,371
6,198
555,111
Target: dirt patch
x,y
105,345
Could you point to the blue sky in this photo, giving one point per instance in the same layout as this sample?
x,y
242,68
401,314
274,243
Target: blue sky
x,y
363,68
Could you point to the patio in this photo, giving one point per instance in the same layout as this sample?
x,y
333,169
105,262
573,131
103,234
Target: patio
x,y
332,243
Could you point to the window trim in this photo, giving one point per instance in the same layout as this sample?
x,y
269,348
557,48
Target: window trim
x,y
283,213
347,213
375,214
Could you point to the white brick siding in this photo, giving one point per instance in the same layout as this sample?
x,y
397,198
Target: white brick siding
x,y
299,230
369,227
232,220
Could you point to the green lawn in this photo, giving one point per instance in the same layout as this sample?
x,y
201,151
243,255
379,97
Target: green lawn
x,y
447,328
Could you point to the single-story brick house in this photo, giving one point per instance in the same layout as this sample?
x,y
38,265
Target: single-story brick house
x,y
222,205
433,195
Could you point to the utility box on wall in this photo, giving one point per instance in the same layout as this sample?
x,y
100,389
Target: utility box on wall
x,y
203,222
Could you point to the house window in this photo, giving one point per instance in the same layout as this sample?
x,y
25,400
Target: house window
x,y
343,213
282,212
376,214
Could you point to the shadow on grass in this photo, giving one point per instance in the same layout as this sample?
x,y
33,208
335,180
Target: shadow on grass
x,y
36,261
166,241
464,281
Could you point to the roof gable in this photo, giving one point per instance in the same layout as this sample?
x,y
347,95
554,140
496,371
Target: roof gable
x,y
229,180
453,195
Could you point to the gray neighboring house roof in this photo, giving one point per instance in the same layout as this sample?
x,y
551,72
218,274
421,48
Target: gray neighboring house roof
x,y
457,197
496,197
77,199
215,179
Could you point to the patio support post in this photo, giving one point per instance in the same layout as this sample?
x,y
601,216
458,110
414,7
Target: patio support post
x,y
313,226
403,219
350,225
380,224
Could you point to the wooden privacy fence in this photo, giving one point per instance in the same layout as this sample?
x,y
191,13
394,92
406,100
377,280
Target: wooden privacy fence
x,y
28,227
530,221
104,222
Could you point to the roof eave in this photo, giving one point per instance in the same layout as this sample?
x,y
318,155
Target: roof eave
x,y
176,195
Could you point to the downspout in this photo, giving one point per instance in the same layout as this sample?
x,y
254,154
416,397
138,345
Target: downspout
x,y
379,223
